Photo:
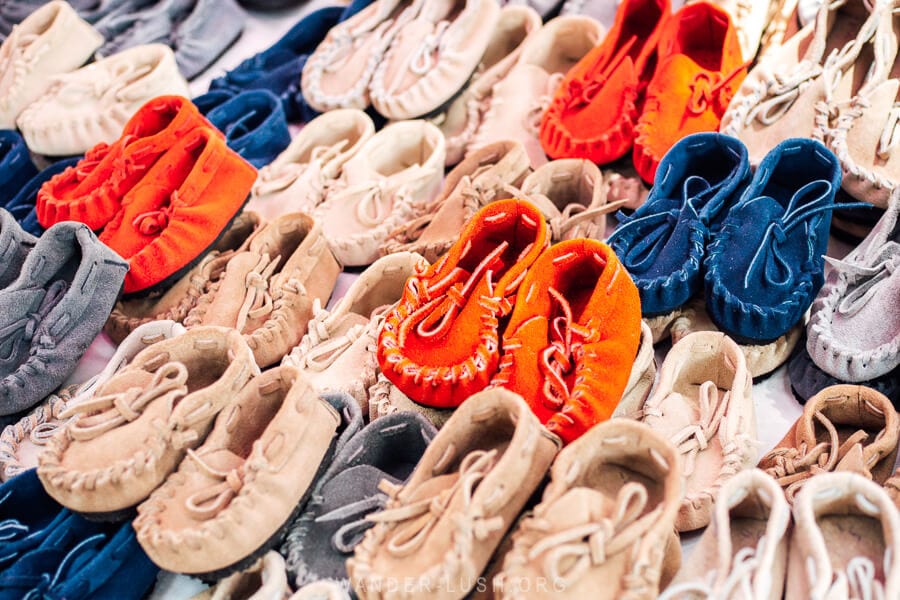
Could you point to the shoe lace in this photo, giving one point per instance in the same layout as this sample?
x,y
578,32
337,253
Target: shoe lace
x,y
210,501
867,279
347,42
257,301
890,135
11,528
100,414
581,91
22,65
583,220
25,327
103,83
792,466
738,585
558,360
568,554
540,105
425,57
377,196
417,519
279,176
713,90
87,547
348,535
153,222
858,579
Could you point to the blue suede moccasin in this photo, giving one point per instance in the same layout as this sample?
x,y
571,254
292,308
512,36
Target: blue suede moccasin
x,y
254,126
334,521
663,243
16,168
278,68
22,206
766,265
27,516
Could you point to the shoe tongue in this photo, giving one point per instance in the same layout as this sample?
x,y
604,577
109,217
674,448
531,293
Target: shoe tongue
x,y
353,484
222,460
579,506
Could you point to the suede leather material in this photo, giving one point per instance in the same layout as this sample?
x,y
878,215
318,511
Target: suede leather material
x,y
279,67
27,516
16,168
15,244
53,311
23,206
807,379
254,125
331,525
663,243
765,267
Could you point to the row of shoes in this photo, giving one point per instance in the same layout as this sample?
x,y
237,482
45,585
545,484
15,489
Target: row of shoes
x,y
198,31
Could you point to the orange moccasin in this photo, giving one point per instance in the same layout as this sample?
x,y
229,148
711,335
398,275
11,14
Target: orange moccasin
x,y
91,192
178,210
572,337
700,67
595,108
441,343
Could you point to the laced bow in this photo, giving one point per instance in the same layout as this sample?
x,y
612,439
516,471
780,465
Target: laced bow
x,y
568,554
103,413
207,503
78,555
867,279
348,535
558,360
103,83
580,92
153,222
418,518
426,55
11,529
346,43
377,196
257,298
712,90
737,584
28,324
277,177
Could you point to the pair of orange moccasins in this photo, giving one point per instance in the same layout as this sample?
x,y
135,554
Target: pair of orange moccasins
x,y
655,78
569,317
160,196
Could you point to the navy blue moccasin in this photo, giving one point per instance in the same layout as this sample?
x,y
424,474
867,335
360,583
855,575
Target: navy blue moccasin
x,y
16,168
766,265
22,205
334,521
27,516
662,245
254,126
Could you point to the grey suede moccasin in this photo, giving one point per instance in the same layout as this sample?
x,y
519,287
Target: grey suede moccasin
x,y
854,331
53,311
15,244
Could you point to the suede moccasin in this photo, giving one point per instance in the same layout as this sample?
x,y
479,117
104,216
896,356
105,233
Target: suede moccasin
x,y
16,168
53,311
807,379
254,125
15,245
27,516
138,426
268,291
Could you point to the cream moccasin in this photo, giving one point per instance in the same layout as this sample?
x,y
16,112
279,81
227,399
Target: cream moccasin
x,y
91,105
432,57
137,427
703,404
297,180
338,73
50,41
232,497
337,354
389,182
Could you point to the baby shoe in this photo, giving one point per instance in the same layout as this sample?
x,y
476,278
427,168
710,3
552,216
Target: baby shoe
x,y
199,31
854,331
749,19
745,548
461,498
23,206
572,194
298,178
603,528
807,379
699,68
15,245
137,427
176,303
845,542
641,378
441,344
232,497
594,110
572,337
778,98
481,178
663,243
432,56
16,168
389,181
334,521
765,266
703,404
268,291
254,125
27,516
338,73
93,104
844,428
92,191
51,41
516,26
20,442
53,311
515,104
338,351
183,204
266,579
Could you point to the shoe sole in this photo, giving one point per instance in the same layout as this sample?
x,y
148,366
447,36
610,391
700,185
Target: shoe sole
x,y
114,516
158,289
